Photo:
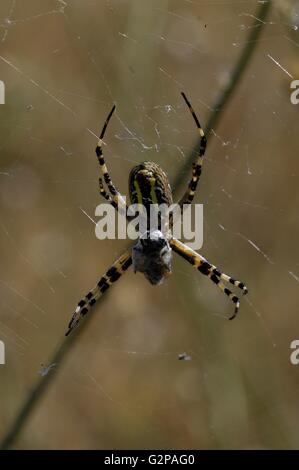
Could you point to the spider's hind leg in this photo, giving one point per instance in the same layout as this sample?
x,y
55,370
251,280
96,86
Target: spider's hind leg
x,y
117,202
105,195
101,158
197,165
216,276
114,197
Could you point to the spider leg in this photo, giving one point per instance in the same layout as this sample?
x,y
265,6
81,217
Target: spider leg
x,y
196,168
107,178
208,269
115,201
105,195
112,275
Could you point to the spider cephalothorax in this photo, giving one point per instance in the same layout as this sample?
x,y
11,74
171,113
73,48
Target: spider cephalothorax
x,y
152,254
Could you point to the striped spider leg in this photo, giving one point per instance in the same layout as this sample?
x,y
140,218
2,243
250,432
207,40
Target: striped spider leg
x,y
196,169
188,197
121,264
216,276
113,197
118,205
194,258
118,268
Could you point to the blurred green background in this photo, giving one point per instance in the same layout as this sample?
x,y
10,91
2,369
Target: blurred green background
x,y
122,386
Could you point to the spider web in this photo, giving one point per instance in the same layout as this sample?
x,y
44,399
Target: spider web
x,y
123,386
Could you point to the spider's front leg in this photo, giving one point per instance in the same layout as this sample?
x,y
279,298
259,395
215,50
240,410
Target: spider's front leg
x,y
216,276
112,275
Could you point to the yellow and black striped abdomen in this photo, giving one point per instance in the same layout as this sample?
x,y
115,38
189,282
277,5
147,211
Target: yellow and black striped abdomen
x,y
148,184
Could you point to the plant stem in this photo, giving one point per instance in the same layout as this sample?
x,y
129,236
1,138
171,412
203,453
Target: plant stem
x,y
227,93
43,383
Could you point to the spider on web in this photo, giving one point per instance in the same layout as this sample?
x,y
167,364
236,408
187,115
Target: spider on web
x,y
152,254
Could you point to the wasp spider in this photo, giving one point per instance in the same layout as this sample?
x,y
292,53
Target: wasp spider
x,y
152,255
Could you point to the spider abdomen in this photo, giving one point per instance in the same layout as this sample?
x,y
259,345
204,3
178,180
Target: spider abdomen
x,y
148,184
